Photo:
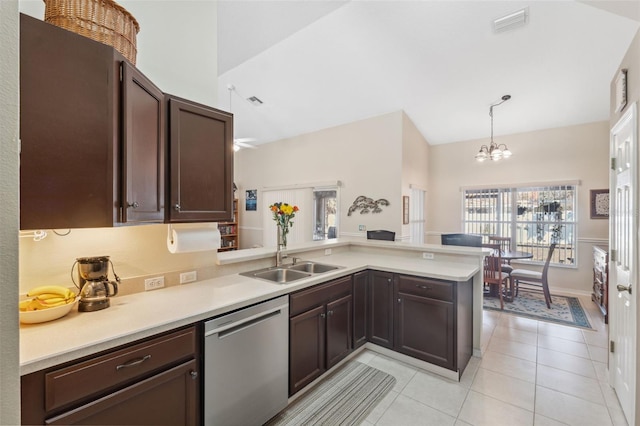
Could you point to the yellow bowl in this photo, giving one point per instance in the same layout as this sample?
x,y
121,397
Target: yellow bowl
x,y
44,315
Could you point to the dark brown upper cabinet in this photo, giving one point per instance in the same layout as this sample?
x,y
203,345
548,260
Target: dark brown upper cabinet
x,y
200,175
92,134
143,143
103,146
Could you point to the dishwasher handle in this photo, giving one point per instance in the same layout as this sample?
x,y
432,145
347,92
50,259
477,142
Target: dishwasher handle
x,y
226,329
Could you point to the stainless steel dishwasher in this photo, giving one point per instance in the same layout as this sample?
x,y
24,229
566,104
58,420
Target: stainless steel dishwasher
x,y
246,364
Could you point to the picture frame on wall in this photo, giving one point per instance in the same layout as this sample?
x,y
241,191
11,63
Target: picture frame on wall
x,y
405,209
621,90
251,202
599,204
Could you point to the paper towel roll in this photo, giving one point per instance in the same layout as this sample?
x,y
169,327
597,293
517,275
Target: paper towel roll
x,y
193,239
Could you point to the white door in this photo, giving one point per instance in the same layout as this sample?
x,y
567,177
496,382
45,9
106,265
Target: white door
x,y
416,216
623,268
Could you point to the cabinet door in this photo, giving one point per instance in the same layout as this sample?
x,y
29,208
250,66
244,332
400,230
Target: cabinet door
x,y
200,163
68,129
360,308
168,398
306,348
425,329
339,328
380,320
143,148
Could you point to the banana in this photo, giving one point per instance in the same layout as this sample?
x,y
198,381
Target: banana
x,y
24,304
54,301
45,297
51,303
50,289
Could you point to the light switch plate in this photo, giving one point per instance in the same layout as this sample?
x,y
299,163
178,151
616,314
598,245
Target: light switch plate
x,y
188,277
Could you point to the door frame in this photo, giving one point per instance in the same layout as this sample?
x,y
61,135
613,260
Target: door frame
x,y
629,118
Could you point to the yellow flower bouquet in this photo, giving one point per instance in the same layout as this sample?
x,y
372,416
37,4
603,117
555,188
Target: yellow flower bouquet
x,y
282,214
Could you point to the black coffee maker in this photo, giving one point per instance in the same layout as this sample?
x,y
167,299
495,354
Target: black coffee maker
x,y
95,287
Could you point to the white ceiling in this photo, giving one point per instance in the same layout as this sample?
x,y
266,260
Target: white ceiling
x,y
318,64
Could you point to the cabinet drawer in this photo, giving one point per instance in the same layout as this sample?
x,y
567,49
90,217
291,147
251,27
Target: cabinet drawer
x,y
87,378
319,295
426,287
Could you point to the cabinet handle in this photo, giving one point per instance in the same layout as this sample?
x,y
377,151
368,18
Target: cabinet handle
x,y
135,205
399,300
424,287
389,280
177,207
133,362
330,313
323,315
194,374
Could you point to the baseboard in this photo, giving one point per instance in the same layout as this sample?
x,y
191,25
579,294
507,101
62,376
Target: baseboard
x,y
423,365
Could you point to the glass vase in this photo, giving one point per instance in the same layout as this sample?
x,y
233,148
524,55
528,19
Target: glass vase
x,y
282,236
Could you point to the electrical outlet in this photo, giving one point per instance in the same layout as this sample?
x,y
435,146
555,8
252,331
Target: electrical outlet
x,y
327,252
153,283
362,228
188,277
429,256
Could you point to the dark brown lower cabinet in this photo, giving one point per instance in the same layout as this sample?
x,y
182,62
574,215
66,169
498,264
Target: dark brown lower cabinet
x,y
380,315
339,330
320,330
360,308
433,320
306,348
168,398
155,381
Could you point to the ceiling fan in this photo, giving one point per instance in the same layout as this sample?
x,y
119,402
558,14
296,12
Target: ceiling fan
x,y
239,143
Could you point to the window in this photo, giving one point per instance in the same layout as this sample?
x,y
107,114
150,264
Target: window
x,y
317,218
533,217
325,214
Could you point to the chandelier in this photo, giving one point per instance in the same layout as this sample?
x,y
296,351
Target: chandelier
x,y
494,151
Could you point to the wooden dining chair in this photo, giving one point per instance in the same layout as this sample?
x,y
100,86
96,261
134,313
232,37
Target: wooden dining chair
x,y
493,275
534,278
505,246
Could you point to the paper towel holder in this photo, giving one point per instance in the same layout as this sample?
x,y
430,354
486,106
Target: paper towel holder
x,y
170,233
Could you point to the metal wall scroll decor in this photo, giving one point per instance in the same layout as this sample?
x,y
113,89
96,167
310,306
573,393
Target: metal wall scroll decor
x,y
366,205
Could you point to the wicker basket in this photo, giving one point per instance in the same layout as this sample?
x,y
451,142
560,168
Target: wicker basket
x,y
100,20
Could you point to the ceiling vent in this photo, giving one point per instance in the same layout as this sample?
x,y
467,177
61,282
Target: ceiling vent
x,y
511,21
255,101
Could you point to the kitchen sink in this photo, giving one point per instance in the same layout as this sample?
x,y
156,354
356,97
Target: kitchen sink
x,y
281,275
287,273
312,267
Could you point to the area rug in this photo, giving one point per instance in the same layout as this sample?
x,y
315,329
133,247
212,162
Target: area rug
x,y
564,310
344,398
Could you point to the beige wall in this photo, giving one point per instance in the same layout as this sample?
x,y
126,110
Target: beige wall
x,y
9,213
568,153
415,164
366,156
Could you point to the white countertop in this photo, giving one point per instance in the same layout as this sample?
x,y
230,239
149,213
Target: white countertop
x,y
141,315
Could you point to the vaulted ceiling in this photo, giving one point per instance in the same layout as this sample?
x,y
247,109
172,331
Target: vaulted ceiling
x,y
318,64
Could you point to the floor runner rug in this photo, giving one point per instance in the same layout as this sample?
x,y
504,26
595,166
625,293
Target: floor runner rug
x,y
564,310
346,397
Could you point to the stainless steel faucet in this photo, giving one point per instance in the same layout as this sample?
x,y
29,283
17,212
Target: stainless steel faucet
x,y
280,255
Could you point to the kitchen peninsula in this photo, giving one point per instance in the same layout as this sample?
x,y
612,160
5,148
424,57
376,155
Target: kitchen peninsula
x,y
144,314
438,291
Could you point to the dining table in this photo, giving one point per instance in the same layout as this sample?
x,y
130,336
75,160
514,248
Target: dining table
x,y
514,255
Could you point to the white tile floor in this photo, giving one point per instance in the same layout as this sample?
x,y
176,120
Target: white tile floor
x,y
532,373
